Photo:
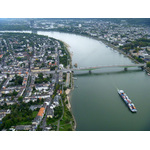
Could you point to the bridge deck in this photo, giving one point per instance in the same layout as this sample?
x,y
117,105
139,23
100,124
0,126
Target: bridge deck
x,y
111,66
91,68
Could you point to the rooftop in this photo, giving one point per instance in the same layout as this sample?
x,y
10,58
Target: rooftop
x,y
41,111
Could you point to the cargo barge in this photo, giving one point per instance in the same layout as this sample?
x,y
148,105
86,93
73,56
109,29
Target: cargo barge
x,y
127,101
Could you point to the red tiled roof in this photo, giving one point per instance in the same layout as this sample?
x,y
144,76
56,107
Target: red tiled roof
x,y
41,111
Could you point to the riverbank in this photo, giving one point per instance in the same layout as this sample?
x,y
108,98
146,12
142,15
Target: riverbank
x,y
68,91
116,48
147,69
69,53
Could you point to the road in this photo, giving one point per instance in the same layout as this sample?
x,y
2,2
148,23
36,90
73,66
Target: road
x,y
27,86
61,115
43,124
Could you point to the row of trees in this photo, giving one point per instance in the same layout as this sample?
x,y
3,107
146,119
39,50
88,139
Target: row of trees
x,y
138,59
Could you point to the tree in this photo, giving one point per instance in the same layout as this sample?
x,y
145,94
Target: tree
x,y
14,93
20,98
40,75
65,88
38,100
34,88
42,100
12,98
49,58
8,124
38,128
43,65
53,96
148,64
53,67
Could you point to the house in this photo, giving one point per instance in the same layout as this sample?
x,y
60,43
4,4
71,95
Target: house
x,y
61,66
28,99
21,92
23,127
2,99
6,91
41,87
1,55
56,104
36,121
41,112
2,116
6,83
47,103
42,96
40,70
50,112
5,112
33,107
51,92
25,79
10,102
147,57
56,100
148,48
12,128
53,81
3,76
60,76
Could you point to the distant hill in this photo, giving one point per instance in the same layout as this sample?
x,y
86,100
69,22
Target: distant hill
x,y
137,21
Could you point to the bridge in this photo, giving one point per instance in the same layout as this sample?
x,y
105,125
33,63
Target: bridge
x,y
108,66
142,66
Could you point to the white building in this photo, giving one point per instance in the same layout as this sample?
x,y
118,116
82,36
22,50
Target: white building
x,y
41,87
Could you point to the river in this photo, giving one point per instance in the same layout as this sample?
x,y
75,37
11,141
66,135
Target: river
x,y
96,104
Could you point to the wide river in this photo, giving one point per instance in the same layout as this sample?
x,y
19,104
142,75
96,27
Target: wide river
x,y
96,104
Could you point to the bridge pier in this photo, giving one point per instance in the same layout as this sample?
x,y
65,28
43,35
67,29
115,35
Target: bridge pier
x,y
125,69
